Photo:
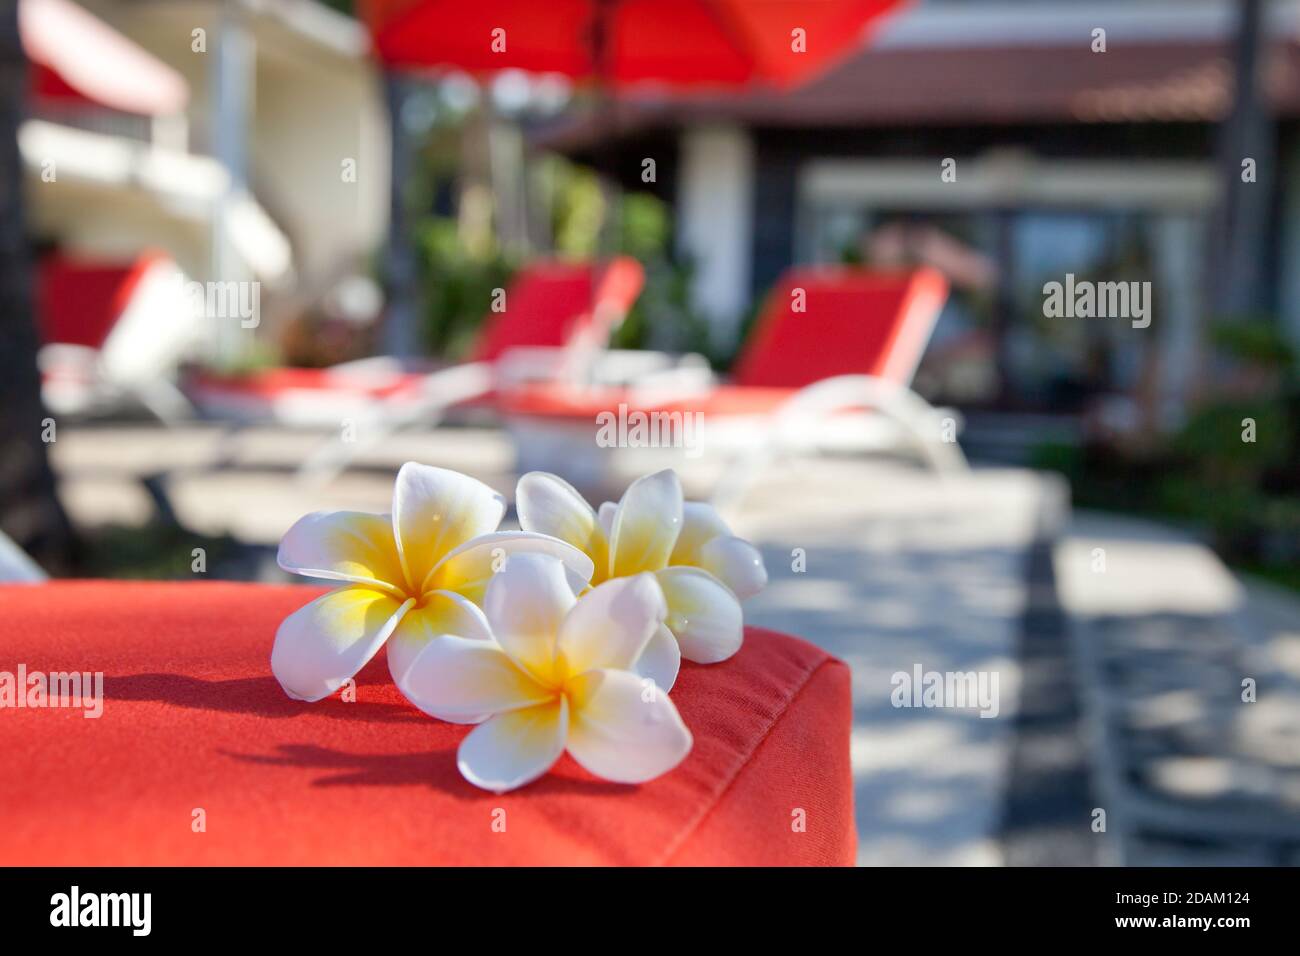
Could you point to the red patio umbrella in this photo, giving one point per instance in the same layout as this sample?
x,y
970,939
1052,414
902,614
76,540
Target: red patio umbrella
x,y
676,43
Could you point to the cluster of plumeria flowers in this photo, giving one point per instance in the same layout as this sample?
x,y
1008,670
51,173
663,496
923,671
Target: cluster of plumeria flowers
x,y
566,635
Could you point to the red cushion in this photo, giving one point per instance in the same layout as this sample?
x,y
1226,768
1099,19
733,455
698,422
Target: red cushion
x,y
46,85
278,381
193,719
853,322
550,303
80,301
560,400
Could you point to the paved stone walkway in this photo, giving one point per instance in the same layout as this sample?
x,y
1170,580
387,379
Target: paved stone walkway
x,y
905,570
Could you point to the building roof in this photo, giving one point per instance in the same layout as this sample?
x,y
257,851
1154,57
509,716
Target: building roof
x,y
1006,63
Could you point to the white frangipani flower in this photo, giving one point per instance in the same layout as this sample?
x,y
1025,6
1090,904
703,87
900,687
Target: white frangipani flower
x,y
552,673
406,577
703,568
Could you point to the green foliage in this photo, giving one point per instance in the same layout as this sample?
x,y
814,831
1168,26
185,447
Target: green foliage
x,y
458,278
1245,494
663,317
577,208
1232,470
457,285
255,355
156,551
1254,339
1059,456
1286,575
1220,508
645,227
1211,441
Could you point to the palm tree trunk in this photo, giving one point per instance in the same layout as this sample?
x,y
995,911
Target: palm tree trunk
x,y
1239,236
30,512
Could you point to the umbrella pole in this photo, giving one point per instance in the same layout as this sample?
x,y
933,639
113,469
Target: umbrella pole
x,y
605,158
578,363
401,266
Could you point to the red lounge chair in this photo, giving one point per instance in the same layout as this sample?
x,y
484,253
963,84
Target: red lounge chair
x,y
198,757
548,330
547,320
830,342
113,331
550,307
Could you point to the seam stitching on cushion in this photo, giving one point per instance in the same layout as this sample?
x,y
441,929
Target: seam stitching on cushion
x,y
712,805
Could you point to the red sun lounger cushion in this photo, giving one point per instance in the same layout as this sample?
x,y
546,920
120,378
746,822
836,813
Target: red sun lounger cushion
x,y
549,304
823,322
271,383
559,400
193,721
81,301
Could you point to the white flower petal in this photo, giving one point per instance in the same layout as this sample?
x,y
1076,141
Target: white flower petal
x,y
623,730
466,678
736,563
440,612
344,546
548,504
322,644
700,524
646,524
436,511
703,614
525,603
606,517
661,659
610,625
470,568
513,749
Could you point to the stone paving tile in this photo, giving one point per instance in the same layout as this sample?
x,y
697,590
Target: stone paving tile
x,y
904,569
1189,772
1050,798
